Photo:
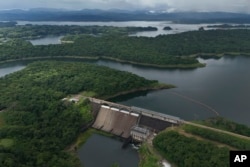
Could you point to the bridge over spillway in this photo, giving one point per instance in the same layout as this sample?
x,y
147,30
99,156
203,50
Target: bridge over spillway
x,y
119,119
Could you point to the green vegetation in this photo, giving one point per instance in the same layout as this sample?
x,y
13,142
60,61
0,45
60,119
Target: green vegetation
x,y
95,42
236,142
40,31
177,50
147,157
167,28
224,124
39,122
1,120
189,152
115,165
6,142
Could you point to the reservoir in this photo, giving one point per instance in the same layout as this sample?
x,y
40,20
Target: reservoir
x,y
47,40
222,87
105,152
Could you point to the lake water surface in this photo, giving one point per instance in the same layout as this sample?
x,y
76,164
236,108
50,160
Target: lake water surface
x,y
223,86
10,68
47,40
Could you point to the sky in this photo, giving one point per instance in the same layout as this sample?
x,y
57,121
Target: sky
x,y
238,6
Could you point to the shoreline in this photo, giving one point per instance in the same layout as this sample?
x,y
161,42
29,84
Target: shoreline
x,y
178,66
157,86
96,58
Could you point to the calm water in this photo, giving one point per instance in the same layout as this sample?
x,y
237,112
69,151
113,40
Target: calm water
x,y
104,152
10,68
223,86
47,40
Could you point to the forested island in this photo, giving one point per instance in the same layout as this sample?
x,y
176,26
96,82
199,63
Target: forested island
x,y
166,51
167,28
36,125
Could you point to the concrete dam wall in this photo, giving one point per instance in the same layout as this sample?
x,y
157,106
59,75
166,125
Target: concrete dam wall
x,y
115,121
125,121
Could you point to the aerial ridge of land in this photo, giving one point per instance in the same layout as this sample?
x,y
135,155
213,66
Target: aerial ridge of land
x,y
121,15
227,26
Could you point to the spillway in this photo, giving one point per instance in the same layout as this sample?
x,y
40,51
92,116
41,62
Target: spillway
x,y
118,122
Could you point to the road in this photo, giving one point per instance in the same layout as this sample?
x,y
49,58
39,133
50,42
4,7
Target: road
x,y
217,130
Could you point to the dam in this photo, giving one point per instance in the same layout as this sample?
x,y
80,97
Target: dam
x,y
125,121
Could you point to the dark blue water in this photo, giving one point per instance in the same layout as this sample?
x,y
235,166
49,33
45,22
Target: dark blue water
x,y
104,152
8,68
223,86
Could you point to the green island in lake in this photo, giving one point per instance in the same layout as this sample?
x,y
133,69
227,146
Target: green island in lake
x,y
38,126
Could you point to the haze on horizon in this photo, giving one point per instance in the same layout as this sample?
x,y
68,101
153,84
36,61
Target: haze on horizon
x,y
239,6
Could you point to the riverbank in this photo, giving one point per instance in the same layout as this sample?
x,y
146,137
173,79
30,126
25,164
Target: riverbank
x,y
174,66
182,66
157,86
83,137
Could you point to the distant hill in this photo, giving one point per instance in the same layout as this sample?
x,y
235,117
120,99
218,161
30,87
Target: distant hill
x,y
50,14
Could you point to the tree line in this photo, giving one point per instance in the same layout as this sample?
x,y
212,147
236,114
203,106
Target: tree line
x,y
189,152
162,51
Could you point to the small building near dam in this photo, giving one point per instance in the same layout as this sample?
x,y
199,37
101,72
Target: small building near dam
x,y
139,133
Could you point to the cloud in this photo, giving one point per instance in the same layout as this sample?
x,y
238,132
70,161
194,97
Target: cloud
x,y
168,5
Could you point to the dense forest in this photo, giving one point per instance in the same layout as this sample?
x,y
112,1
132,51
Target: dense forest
x,y
29,31
225,124
36,125
177,50
189,152
230,140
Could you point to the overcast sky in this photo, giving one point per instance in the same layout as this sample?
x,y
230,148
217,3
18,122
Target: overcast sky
x,y
168,5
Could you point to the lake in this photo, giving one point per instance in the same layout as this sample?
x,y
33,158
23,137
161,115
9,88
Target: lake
x,y
47,40
223,86
104,152
8,68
